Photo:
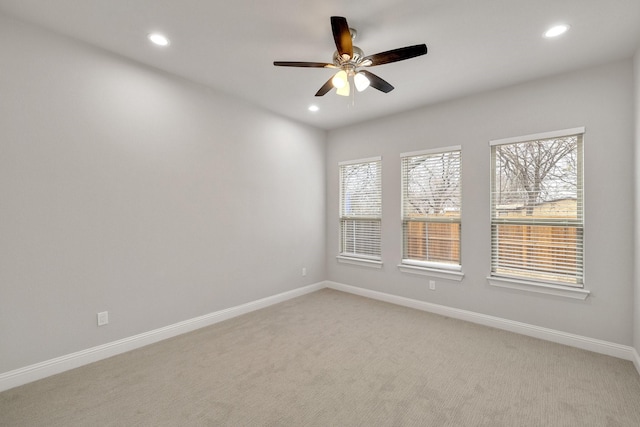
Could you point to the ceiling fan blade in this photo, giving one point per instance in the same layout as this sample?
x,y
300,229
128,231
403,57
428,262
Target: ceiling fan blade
x,y
303,64
377,82
325,88
394,55
342,36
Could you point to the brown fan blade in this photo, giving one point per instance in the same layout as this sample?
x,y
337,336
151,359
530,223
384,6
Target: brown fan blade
x,y
342,36
325,88
394,55
303,64
377,82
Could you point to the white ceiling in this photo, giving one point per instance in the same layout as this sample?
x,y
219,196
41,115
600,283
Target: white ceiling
x,y
474,45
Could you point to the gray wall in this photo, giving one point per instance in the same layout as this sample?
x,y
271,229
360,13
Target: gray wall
x,y
601,99
636,310
128,190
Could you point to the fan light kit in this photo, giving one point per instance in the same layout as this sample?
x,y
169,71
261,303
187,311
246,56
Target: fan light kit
x,y
349,60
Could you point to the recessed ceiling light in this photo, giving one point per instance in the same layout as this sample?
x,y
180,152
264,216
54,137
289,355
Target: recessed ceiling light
x,y
159,39
313,108
556,30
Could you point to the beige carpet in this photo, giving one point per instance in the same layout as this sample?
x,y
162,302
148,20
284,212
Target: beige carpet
x,y
335,359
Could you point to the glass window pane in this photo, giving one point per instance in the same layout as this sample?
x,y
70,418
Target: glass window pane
x,y
432,242
537,210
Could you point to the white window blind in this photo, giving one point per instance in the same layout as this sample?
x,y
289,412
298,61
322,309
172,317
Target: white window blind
x,y
361,208
537,221
431,208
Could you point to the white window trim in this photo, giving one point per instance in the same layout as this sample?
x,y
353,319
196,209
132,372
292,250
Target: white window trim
x,y
536,136
432,265
433,269
358,161
432,151
441,273
548,288
363,262
539,287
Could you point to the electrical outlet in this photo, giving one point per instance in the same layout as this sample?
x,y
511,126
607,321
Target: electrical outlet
x,y
432,285
103,318
304,271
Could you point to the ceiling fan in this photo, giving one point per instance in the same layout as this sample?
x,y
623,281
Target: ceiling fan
x,y
349,60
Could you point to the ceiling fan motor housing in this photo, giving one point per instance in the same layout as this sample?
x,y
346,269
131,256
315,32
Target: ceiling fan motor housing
x,y
351,63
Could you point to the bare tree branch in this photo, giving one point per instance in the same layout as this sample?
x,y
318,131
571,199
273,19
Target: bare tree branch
x,y
537,171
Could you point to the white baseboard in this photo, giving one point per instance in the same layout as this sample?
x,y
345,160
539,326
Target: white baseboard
x,y
636,360
47,368
578,341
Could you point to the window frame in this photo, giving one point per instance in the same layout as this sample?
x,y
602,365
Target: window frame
x,y
356,258
430,268
531,284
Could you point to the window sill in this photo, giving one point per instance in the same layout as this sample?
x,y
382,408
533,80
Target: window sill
x,y
359,261
433,272
542,288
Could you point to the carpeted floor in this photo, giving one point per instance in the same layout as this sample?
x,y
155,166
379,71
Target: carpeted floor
x,y
335,359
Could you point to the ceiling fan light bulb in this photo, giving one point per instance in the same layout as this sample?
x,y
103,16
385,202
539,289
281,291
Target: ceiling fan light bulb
x,y
361,81
344,90
340,79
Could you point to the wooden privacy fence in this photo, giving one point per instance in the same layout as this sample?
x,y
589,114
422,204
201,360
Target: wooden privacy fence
x,y
432,241
538,251
532,251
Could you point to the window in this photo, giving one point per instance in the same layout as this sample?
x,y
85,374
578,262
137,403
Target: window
x,y
537,222
431,188
360,209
